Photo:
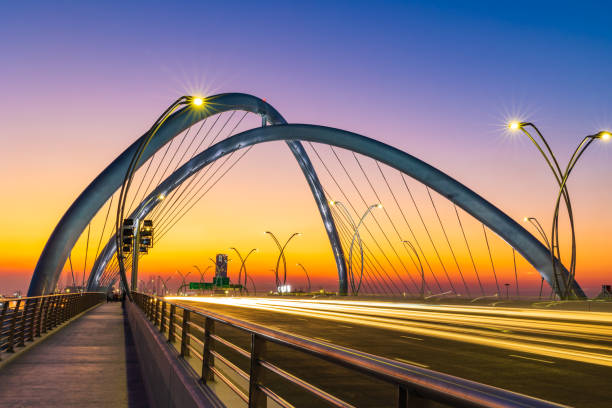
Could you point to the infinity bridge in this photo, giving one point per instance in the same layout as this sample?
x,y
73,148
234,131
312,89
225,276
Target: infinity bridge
x,y
398,229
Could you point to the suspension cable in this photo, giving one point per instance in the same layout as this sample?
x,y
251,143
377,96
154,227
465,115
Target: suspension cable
x,y
491,258
447,240
469,251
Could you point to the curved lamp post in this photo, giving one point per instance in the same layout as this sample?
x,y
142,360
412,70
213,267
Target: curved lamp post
x,y
282,255
561,178
307,277
127,181
183,277
355,226
534,221
409,245
243,265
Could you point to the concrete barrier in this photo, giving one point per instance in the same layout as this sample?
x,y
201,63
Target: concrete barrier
x,y
170,382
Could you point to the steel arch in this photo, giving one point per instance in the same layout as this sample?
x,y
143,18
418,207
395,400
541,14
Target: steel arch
x,y
84,208
512,232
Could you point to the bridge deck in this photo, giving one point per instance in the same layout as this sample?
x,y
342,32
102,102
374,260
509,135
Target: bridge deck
x,y
92,362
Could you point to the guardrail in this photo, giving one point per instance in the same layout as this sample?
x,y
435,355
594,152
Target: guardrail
x,y
23,319
195,334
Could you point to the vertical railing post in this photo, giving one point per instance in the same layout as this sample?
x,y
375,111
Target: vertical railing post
x,y
22,323
171,329
51,313
184,333
257,399
11,339
162,322
157,303
32,318
41,311
3,319
207,358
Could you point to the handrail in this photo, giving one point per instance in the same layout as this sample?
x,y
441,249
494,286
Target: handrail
x,y
23,319
411,382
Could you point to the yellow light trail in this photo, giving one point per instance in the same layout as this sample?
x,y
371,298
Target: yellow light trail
x,y
476,325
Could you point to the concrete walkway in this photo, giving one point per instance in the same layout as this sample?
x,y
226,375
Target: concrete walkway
x,y
90,363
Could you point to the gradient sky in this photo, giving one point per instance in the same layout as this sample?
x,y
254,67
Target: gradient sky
x,y
81,80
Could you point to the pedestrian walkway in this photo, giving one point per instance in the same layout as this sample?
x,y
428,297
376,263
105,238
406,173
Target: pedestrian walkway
x,y
90,363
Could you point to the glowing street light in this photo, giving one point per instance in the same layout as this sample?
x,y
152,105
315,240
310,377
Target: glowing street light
x,y
281,255
243,265
561,178
307,277
129,175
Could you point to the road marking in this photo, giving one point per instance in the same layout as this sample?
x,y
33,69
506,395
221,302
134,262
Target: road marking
x,y
412,362
304,320
531,358
322,339
345,326
411,338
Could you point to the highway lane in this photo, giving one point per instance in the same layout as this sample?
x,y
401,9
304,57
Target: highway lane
x,y
557,355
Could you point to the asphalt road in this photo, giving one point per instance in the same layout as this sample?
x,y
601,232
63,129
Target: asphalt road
x,y
560,356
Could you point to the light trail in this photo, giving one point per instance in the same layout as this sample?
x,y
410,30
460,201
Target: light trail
x,y
541,333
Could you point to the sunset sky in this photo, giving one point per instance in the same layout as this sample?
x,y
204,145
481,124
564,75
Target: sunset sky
x,y
80,81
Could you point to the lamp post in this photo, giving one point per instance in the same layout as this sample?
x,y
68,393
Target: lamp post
x,y
561,177
193,101
534,221
355,288
307,277
409,244
281,255
164,282
243,265
183,277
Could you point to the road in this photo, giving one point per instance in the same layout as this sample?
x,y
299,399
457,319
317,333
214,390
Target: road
x,y
561,356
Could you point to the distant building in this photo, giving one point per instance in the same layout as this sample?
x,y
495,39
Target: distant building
x,y
606,292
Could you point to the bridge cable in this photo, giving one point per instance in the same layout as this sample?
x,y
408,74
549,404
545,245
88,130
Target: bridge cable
x,y
71,270
427,231
355,211
391,222
194,180
515,272
406,221
183,187
110,204
345,230
207,190
448,241
373,217
491,258
86,251
469,251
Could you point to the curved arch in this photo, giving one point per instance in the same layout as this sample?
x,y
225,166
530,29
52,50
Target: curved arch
x,y
512,232
84,208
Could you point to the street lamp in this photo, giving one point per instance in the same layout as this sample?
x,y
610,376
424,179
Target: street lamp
x,y
307,277
561,177
193,101
183,277
534,221
409,244
281,255
338,204
243,265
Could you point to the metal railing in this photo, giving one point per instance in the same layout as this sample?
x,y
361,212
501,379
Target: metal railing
x,y
23,319
195,335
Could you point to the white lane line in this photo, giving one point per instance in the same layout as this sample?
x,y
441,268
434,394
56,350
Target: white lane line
x,y
531,358
412,362
411,338
304,320
345,326
322,339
